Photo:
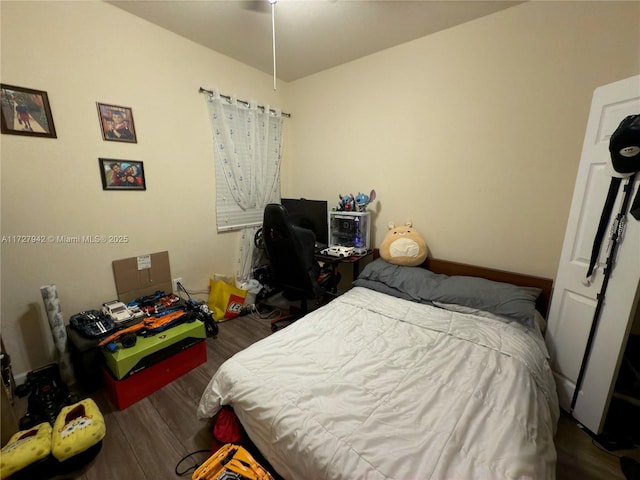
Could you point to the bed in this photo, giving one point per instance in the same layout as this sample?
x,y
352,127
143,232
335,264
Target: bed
x,y
429,373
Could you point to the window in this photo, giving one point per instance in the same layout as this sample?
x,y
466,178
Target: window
x,y
247,152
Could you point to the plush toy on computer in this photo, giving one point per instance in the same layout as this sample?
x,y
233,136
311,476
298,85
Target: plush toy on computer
x,y
349,203
362,200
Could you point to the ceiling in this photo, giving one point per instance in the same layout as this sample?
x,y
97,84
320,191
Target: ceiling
x,y
311,35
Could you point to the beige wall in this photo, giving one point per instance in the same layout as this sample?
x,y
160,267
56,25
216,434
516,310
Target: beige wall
x,y
473,133
87,52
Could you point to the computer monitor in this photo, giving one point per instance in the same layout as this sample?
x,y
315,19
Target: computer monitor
x,y
311,214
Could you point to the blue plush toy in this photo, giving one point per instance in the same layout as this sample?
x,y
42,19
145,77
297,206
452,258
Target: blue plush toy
x,y
362,200
347,203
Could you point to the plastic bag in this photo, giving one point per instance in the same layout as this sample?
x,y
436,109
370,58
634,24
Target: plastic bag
x,y
252,288
225,301
227,427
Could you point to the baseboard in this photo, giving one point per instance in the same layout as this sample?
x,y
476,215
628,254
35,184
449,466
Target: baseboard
x,y
20,378
613,442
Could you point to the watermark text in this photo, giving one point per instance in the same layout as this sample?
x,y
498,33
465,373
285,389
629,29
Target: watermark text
x,y
63,239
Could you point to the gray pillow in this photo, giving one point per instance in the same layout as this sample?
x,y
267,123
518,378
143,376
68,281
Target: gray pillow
x,y
384,288
424,286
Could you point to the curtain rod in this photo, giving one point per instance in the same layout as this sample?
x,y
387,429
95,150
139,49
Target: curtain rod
x,y
244,102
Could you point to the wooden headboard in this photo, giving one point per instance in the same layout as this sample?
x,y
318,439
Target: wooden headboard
x,y
522,280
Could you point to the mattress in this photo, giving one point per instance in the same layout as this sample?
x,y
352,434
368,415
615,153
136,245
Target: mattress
x,y
374,386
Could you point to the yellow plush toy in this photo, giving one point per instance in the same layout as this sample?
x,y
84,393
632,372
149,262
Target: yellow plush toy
x,y
403,245
24,448
77,428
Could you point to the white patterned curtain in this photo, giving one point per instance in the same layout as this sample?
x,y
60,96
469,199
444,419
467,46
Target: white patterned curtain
x,y
247,152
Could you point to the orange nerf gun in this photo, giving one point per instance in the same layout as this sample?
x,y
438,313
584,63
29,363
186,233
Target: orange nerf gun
x,y
235,462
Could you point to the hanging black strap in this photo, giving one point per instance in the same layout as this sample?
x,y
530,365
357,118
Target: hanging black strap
x,y
616,232
635,206
614,186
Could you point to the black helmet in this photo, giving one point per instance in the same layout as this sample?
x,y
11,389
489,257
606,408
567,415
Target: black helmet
x,y
625,145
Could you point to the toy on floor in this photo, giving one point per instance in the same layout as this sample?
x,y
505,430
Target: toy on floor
x,y
78,427
232,462
45,451
25,448
47,395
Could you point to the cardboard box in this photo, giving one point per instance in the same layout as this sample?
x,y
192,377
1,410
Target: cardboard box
x,y
142,275
124,393
149,350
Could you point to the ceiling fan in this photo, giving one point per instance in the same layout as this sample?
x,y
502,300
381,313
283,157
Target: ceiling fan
x,y
259,6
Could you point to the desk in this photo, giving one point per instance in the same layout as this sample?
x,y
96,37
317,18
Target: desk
x,y
358,261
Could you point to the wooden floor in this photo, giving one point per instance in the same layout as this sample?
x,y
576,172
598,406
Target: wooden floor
x,y
148,439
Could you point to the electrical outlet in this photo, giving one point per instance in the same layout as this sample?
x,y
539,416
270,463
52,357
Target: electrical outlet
x,y
174,284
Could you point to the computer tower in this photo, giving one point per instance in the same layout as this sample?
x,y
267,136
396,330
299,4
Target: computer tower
x,y
350,229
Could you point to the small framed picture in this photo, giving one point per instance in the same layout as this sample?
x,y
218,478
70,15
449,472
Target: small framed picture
x,y
122,174
26,112
117,123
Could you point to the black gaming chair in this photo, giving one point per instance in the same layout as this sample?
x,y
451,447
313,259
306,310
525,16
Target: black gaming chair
x,y
294,268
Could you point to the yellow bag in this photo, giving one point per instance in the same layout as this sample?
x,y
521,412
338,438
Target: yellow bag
x,y
225,301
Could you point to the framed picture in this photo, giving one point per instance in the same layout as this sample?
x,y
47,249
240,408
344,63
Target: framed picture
x,y
122,174
117,123
26,112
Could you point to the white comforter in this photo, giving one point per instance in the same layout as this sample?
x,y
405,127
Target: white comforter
x,y
372,386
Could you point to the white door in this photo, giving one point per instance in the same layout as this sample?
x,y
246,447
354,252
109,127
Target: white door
x,y
573,303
